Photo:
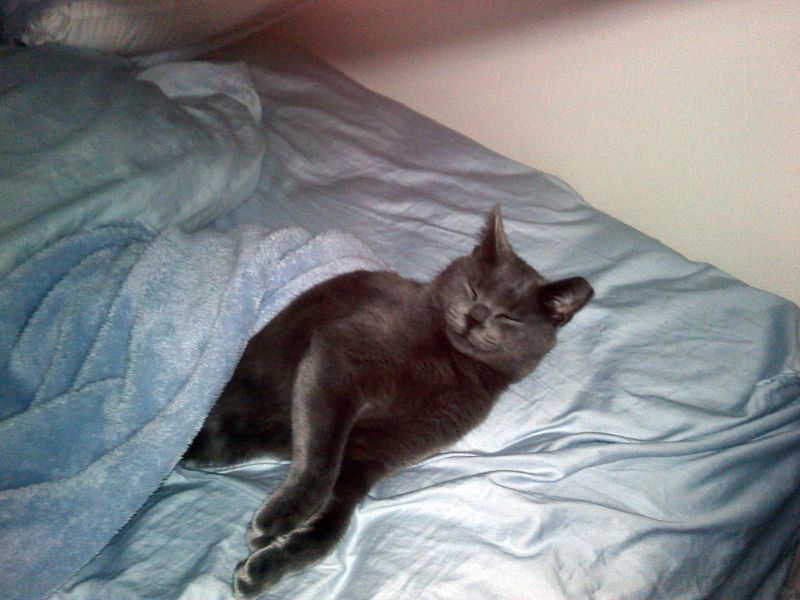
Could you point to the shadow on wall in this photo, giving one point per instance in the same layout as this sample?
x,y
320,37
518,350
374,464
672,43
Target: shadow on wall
x,y
389,26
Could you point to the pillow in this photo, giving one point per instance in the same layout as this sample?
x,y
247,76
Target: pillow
x,y
135,27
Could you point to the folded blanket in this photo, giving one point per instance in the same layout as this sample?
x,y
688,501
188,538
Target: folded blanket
x,y
114,344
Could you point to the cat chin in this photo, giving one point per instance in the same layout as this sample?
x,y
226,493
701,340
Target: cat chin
x,y
462,343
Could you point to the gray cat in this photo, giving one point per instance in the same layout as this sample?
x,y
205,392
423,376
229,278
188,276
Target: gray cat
x,y
370,372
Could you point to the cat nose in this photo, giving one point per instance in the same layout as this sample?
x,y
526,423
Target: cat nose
x,y
478,313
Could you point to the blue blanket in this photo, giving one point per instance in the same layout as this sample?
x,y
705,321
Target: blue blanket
x,y
88,139
119,327
114,344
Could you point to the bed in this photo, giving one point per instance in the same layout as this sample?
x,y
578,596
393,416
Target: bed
x,y
156,215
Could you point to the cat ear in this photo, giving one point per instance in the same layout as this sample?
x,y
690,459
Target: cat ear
x,y
493,237
562,299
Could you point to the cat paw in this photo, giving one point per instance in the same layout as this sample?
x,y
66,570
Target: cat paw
x,y
260,536
256,539
259,572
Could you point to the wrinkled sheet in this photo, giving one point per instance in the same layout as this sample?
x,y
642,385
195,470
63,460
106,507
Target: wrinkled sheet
x,y
655,452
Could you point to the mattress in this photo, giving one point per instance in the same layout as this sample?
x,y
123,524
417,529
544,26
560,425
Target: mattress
x,y
654,453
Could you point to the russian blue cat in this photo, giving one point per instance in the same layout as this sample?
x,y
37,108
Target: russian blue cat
x,y
369,372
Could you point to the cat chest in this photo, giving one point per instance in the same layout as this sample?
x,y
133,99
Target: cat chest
x,y
406,391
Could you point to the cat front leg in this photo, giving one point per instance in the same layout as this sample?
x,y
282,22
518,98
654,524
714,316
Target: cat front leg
x,y
301,548
311,542
371,453
322,415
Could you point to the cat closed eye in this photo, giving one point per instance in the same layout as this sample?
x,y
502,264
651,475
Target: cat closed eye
x,y
508,318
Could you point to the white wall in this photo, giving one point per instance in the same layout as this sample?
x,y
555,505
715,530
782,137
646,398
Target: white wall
x,y
680,118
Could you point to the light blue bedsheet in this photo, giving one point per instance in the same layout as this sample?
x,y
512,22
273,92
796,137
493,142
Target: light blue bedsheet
x,y
655,453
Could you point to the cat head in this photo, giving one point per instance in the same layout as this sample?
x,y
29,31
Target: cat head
x,y
499,310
